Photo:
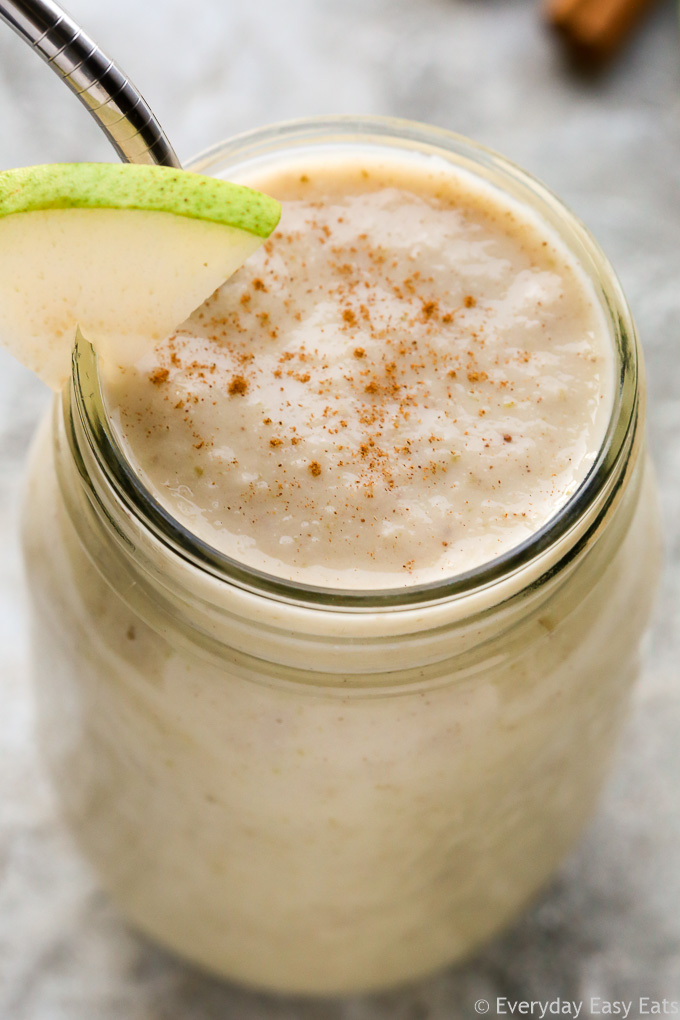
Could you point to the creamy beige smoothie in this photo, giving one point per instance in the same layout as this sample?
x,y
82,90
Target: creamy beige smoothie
x,y
408,380
429,366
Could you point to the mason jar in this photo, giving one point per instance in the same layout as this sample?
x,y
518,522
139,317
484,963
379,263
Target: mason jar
x,y
320,791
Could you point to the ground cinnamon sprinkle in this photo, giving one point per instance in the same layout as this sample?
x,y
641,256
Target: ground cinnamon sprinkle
x,y
238,386
315,468
158,376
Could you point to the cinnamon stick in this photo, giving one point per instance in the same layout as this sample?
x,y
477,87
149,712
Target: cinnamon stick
x,y
595,29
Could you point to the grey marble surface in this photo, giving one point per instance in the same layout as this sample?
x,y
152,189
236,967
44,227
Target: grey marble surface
x,y
609,925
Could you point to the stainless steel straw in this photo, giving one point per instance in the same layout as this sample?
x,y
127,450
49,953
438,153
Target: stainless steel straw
x,y
109,95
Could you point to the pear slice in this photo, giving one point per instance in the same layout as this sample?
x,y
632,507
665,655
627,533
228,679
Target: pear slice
x,y
126,252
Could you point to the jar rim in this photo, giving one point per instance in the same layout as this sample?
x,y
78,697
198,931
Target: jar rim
x,y
612,456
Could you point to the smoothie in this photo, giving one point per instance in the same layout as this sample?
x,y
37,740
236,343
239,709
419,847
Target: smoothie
x,y
408,380
431,365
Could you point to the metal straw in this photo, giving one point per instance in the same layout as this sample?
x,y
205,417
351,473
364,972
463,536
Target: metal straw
x,y
109,95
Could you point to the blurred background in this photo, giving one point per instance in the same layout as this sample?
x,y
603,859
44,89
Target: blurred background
x,y
609,144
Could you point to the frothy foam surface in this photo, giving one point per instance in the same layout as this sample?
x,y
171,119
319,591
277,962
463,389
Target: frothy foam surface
x,y
410,378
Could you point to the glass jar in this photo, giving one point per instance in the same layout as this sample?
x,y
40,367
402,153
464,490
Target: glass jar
x,y
328,791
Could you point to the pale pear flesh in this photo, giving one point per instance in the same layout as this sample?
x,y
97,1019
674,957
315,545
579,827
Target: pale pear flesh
x,y
127,277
